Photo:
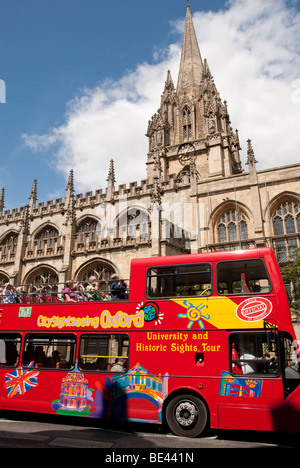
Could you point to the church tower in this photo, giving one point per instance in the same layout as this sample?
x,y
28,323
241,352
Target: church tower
x,y
191,130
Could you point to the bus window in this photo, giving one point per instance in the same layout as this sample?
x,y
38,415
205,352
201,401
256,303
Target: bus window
x,y
107,352
255,353
10,347
290,363
243,277
179,280
49,351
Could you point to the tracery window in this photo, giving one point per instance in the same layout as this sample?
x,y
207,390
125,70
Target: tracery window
x,y
9,245
3,279
89,227
47,236
44,282
187,124
286,218
135,223
286,222
232,227
100,271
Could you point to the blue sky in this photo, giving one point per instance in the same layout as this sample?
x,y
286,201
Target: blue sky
x,y
84,77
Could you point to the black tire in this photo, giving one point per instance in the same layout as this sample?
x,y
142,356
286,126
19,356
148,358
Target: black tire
x,y
186,416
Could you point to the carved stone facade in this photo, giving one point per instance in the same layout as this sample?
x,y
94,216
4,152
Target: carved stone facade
x,y
196,197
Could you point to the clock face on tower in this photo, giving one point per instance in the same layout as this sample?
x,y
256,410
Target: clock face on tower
x,y
185,153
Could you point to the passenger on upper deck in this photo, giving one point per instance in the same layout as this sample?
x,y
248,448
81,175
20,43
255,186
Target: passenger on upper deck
x,y
92,290
69,294
80,293
104,296
118,288
9,295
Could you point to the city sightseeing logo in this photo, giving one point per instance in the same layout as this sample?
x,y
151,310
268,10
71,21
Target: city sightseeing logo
x,y
151,312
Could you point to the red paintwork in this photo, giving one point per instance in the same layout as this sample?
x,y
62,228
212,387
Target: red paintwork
x,y
166,350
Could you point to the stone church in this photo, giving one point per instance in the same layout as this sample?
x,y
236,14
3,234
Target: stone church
x,y
195,197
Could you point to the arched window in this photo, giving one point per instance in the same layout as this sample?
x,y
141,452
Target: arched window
x,y
286,219
44,280
3,279
286,223
100,270
47,236
187,124
134,223
9,245
90,228
232,227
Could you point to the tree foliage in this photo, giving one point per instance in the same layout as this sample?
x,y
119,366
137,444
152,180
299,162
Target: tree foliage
x,y
291,273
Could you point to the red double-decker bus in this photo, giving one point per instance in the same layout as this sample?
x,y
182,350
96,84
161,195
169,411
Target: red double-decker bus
x,y
203,340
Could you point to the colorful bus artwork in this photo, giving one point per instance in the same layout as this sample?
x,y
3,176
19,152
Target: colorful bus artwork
x,y
203,340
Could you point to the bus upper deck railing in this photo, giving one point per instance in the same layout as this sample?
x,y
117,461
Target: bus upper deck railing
x,y
59,293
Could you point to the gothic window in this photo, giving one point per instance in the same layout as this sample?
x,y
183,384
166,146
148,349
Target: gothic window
x,y
286,219
45,281
290,224
135,223
3,279
9,244
187,124
47,236
232,227
222,233
100,270
278,226
89,227
286,222
232,234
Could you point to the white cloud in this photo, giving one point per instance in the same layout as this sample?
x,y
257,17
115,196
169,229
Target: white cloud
x,y
253,50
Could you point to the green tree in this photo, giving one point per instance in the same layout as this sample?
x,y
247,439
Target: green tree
x,y
291,273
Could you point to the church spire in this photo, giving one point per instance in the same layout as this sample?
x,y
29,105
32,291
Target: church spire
x,y
191,65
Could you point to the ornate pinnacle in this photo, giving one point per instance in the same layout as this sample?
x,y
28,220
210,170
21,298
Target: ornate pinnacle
x,y
250,153
111,173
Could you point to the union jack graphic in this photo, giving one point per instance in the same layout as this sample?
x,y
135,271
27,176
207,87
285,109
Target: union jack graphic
x,y
21,380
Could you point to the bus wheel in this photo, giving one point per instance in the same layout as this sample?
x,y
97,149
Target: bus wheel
x,y
186,416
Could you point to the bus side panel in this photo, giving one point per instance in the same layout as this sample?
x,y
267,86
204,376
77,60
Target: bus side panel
x,y
281,415
245,418
29,389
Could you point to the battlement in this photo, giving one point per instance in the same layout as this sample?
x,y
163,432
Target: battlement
x,y
91,199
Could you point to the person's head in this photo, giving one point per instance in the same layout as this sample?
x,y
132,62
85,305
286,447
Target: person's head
x,y
114,277
93,280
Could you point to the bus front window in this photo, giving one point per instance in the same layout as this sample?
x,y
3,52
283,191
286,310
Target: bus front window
x,y
254,353
290,363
